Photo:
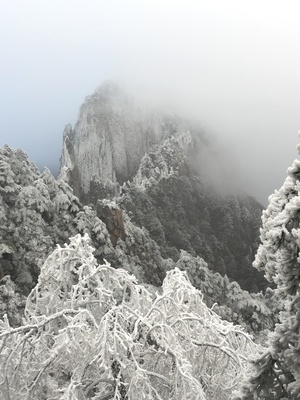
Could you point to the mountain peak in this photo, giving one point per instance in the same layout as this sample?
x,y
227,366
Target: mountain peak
x,y
110,138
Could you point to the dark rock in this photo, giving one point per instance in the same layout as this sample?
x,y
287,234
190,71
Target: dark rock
x,y
113,219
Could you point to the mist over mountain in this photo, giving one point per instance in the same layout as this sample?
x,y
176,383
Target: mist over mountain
x,y
167,174
114,131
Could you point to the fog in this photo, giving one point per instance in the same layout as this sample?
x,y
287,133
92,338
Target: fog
x,y
234,66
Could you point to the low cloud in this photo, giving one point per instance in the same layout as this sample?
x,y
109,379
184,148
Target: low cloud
x,y
230,65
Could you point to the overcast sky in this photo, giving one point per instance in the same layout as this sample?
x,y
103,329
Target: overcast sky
x,y
232,65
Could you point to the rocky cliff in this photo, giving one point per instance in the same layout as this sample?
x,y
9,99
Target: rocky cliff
x,y
109,139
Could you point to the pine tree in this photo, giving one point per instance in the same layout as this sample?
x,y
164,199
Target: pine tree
x,y
278,370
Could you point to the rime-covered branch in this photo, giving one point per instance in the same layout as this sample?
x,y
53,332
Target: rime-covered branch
x,y
92,332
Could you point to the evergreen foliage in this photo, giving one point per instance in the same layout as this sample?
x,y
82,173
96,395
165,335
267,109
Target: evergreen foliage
x,y
36,211
278,370
12,303
180,213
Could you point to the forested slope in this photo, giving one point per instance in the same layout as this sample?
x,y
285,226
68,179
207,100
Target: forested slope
x,y
38,212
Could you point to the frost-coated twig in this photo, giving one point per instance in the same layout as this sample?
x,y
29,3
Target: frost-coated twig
x,y
34,327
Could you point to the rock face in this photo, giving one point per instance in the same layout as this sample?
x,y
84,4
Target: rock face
x,y
109,139
113,219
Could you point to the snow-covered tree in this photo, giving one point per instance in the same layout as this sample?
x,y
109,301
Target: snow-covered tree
x,y
92,332
37,211
278,371
12,303
229,301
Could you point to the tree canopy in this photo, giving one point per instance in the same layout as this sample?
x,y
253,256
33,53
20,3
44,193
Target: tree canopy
x,y
92,332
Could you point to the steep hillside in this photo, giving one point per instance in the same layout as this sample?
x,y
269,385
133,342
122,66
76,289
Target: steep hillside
x,y
146,162
39,212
